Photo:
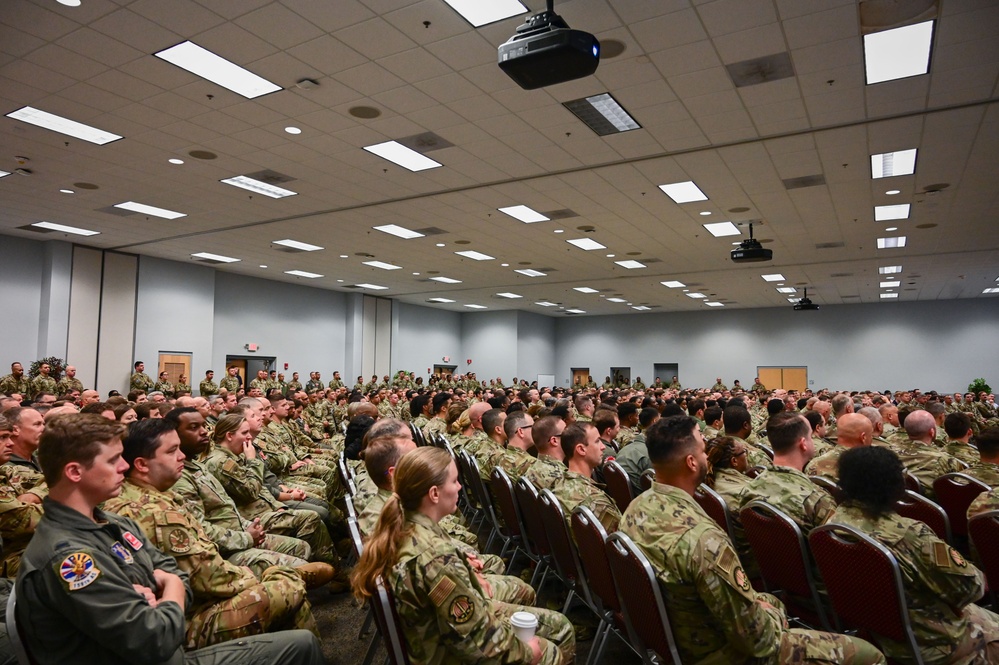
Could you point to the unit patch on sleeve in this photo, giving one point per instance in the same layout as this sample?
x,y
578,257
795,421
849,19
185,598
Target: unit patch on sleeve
x,y
78,570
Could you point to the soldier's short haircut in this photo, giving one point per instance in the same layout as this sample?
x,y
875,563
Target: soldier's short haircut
x,y
14,414
736,401
387,427
582,401
544,429
784,430
417,404
988,442
814,419
839,404
137,363
74,438
604,419
775,406
143,439
173,416
274,396
380,454
5,424
695,405
671,439
513,422
647,416
573,435
936,408
917,423
491,419
957,425
626,409
873,477
735,418
712,414
97,407
134,395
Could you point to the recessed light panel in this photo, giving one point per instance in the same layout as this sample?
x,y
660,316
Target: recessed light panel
x,y
576,311
722,229
585,289
888,213
476,306
776,277
296,244
398,231
4,174
889,295
481,12
641,308
890,270
62,228
528,272
586,244
407,158
889,164
674,284
373,287
890,285
616,300
62,125
303,273
545,303
524,214
202,62
446,280
441,300
259,187
630,264
475,256
507,294
787,289
683,192
602,114
713,304
991,290
217,257
898,53
149,210
695,296
894,242
381,264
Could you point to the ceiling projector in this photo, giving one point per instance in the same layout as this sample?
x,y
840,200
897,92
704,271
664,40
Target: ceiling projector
x,y
751,251
545,51
805,304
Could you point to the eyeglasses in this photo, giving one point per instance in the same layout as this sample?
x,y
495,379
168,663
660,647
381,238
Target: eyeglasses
x,y
745,451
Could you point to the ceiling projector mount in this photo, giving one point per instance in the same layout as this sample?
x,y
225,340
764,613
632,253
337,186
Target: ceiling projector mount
x,y
805,304
546,51
751,251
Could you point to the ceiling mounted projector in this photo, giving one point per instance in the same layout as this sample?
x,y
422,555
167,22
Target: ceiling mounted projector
x,y
751,251
545,51
805,305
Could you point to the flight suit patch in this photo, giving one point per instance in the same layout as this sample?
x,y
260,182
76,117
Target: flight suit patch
x,y
132,541
180,542
461,609
78,570
119,551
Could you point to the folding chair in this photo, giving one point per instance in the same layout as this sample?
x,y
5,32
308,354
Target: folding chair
x,y
357,547
783,559
535,536
714,505
864,584
17,643
828,485
912,483
646,480
767,449
417,435
484,499
644,611
388,624
511,530
984,532
618,484
918,507
955,492
474,512
563,550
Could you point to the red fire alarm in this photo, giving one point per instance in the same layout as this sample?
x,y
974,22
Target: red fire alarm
x,y
468,362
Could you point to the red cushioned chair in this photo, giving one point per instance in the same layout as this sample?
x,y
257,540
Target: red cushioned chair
x,y
618,484
918,507
955,492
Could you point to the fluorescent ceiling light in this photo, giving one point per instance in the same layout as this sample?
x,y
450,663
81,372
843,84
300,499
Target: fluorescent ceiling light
x,y
477,256
445,300
891,243
576,311
683,192
898,53
149,210
293,130
174,160
888,213
674,284
381,264
202,62
787,289
890,285
446,280
615,300
889,295
602,114
713,304
794,299
52,226
528,272
69,3
545,303
295,244
62,125
722,229
586,243
641,308
776,277
695,295
399,231
373,287
397,153
524,214
481,12
303,273
476,306
630,264
890,270
584,289
507,294
889,164
4,174
991,290
217,257
259,187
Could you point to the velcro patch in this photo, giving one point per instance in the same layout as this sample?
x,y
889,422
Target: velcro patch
x,y
461,609
132,541
727,560
442,590
78,570
941,554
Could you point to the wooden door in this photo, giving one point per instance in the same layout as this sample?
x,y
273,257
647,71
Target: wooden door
x,y
240,364
788,378
771,377
580,375
175,364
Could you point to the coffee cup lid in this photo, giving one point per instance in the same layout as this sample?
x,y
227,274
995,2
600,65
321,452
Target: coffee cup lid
x,y
523,620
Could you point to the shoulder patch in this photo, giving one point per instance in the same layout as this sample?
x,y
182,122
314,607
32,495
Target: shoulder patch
x,y
179,541
956,557
461,609
230,465
741,579
442,590
132,541
727,560
119,551
78,570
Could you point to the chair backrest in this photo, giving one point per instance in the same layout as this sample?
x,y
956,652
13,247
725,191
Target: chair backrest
x,y
828,485
536,538
417,434
712,503
754,471
918,507
562,547
591,545
465,474
383,606
346,476
781,553
351,508
643,608
984,532
618,484
955,492
356,539
479,488
19,646
864,583
645,482
506,502
912,483
767,449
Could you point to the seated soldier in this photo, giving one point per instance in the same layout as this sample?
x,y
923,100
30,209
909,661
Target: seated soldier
x,y
986,469
18,517
583,454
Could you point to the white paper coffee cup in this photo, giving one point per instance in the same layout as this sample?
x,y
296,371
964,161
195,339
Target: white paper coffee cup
x,y
524,625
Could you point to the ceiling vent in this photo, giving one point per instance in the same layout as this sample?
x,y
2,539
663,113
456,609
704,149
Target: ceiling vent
x,y
830,245
761,70
425,142
804,181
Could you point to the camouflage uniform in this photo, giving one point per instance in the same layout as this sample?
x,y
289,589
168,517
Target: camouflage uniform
x,y
987,472
927,463
229,601
939,587
17,524
11,384
474,442
791,492
206,499
165,387
715,614
515,462
446,616
625,436
67,385
729,484
634,459
334,384
25,476
984,502
294,386
435,425
961,451
208,388
719,387
576,490
546,472
230,383
827,464
312,385
258,383
43,384
140,381
488,455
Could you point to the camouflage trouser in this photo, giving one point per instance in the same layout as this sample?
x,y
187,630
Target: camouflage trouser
x,y
980,645
314,488
274,551
811,646
558,640
328,478
306,525
510,589
277,603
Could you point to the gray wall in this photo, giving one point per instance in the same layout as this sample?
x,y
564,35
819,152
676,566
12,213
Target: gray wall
x,y
21,265
535,346
490,340
421,336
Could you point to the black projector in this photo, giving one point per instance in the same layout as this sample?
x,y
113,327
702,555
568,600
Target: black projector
x,y
546,51
751,251
805,305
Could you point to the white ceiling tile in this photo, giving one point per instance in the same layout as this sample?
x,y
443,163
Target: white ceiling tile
x,y
375,38
724,17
